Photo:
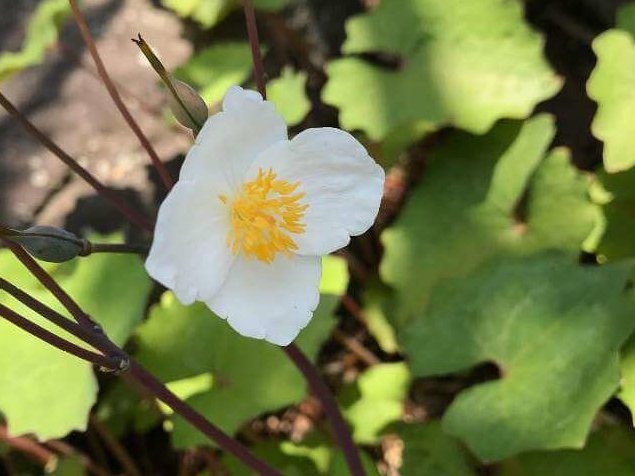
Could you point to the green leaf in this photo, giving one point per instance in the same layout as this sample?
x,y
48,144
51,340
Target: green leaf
x,y
462,212
609,451
377,320
248,376
288,458
554,329
41,33
45,391
205,12
382,390
209,12
430,452
121,407
466,63
213,70
340,468
311,457
616,194
626,18
627,387
611,85
288,93
68,466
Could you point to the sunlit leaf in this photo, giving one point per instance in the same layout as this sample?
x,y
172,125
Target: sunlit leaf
x,y
462,62
382,390
289,95
214,69
611,85
463,211
209,12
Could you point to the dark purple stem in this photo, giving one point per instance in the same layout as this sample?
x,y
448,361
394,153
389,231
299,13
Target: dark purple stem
x,y
132,215
53,316
322,392
159,390
49,283
252,32
167,179
56,341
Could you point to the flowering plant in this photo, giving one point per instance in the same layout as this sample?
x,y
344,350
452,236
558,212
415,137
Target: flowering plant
x,y
246,225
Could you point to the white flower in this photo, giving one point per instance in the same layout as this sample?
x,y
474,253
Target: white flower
x,y
245,227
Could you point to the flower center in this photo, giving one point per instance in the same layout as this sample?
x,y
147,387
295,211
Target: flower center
x,y
264,216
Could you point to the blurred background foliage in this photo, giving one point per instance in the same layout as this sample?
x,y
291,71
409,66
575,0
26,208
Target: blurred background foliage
x,y
484,326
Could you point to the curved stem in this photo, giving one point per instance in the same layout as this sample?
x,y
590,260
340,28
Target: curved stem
x,y
131,214
147,380
322,392
167,179
28,446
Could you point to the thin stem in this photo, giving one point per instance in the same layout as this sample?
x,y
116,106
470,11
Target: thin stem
x,y
90,248
198,421
56,341
85,246
357,348
131,214
252,32
331,409
51,315
49,283
167,179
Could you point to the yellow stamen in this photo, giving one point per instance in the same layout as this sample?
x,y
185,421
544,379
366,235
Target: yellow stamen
x,y
263,215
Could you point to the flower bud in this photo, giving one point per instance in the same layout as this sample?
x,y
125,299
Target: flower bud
x,y
49,243
187,105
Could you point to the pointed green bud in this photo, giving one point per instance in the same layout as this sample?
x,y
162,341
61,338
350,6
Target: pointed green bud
x,y
49,243
186,104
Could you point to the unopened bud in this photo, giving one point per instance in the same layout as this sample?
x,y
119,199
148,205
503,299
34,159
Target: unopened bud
x,y
187,105
49,243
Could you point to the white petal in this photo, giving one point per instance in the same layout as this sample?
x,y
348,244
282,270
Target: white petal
x,y
189,254
232,139
270,301
343,185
